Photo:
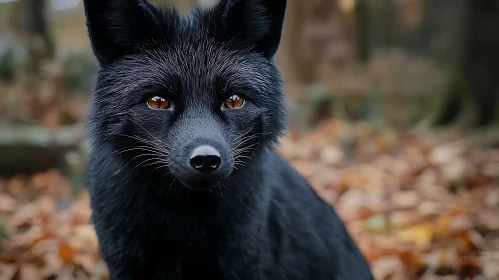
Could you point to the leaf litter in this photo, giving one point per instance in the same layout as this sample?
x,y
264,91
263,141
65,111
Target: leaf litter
x,y
419,208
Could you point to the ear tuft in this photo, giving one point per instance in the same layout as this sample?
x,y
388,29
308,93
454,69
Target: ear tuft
x,y
115,27
255,22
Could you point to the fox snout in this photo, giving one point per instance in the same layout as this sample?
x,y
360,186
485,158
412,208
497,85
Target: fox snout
x,y
202,165
205,159
200,157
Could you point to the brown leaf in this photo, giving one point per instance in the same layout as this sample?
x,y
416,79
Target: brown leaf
x,y
405,199
331,155
371,251
66,253
66,273
24,215
7,203
430,208
52,119
46,206
488,220
410,258
41,180
490,259
30,272
85,261
401,219
86,234
469,266
461,223
440,259
443,225
446,153
28,238
17,186
357,204
53,264
306,168
7,271
389,268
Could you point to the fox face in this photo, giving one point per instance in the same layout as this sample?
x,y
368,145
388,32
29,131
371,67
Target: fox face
x,y
190,98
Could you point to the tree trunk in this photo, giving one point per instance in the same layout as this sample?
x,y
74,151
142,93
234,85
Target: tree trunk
x,y
308,32
388,23
472,95
481,60
37,38
449,103
362,30
303,68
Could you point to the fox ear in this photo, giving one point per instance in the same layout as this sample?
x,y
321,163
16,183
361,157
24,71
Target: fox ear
x,y
116,26
255,22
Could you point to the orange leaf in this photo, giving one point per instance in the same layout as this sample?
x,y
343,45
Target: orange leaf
x,y
66,253
443,226
410,259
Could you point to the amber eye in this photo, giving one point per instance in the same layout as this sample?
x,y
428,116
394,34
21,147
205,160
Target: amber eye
x,y
158,103
234,102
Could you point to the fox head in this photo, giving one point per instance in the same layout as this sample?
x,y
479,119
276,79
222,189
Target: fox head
x,y
191,97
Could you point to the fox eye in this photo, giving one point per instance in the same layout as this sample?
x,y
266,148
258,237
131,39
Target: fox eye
x,y
234,102
158,103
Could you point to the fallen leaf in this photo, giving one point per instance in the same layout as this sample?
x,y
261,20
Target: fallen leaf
x,y
7,203
405,199
66,253
411,259
446,153
331,155
389,268
85,261
430,208
86,233
24,215
30,272
7,271
357,204
377,223
421,234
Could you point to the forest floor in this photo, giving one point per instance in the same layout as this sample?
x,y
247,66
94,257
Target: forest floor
x,y
419,207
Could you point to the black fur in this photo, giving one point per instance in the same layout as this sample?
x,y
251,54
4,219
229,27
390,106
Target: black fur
x,y
261,220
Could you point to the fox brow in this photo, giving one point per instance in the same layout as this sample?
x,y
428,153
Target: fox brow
x,y
165,68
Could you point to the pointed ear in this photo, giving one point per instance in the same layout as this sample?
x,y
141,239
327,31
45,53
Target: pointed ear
x,y
255,22
116,26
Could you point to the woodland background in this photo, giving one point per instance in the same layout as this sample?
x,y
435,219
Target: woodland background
x,y
394,120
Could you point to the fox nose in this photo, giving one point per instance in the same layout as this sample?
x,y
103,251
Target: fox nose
x,y
205,159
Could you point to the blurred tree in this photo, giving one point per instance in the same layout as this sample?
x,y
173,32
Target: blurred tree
x,y
294,22
439,30
310,27
481,60
472,97
362,30
37,38
388,18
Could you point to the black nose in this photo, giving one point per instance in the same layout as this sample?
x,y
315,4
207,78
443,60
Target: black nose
x,y
205,159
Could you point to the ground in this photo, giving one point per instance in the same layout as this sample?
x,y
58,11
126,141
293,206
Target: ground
x,y
419,207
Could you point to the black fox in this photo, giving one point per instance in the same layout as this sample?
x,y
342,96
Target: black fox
x,y
184,180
